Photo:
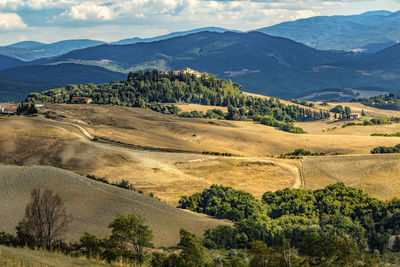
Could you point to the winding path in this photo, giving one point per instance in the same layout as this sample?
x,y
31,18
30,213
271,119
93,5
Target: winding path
x,y
297,174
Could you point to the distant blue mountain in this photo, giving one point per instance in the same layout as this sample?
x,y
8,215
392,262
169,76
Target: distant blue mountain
x,y
27,44
261,63
8,62
167,36
17,82
370,31
30,50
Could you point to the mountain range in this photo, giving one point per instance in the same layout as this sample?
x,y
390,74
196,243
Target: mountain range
x,y
370,31
31,50
262,63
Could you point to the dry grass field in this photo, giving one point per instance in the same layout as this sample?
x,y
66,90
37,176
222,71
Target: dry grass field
x,y
19,257
358,107
198,107
168,175
148,128
376,174
93,205
40,141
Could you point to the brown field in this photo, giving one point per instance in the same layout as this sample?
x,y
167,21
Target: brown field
x,y
168,175
19,257
376,174
358,107
93,205
40,141
198,107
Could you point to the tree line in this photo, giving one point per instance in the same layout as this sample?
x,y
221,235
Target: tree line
x,y
335,212
389,101
152,89
386,149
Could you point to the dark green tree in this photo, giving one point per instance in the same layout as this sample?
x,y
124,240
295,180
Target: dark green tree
x,y
130,231
396,244
193,252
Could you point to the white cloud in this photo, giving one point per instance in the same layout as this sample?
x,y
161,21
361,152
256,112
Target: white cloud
x,y
147,18
11,21
90,11
11,4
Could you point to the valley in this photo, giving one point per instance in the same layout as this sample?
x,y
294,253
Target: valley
x,y
199,147
163,154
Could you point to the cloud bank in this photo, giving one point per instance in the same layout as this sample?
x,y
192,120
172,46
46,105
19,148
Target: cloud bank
x,y
49,20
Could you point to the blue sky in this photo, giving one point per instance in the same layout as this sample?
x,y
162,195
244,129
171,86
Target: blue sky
x,y
111,20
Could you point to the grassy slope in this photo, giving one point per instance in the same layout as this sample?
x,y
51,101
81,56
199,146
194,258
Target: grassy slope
x,y
10,257
358,107
170,175
92,204
376,174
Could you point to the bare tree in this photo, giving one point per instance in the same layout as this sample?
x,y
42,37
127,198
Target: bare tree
x,y
45,220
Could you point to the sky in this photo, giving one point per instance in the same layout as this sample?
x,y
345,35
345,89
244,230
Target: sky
x,y
111,20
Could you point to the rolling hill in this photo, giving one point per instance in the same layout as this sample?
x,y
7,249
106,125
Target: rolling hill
x,y
262,63
209,51
369,31
93,205
30,50
143,141
167,36
16,82
8,62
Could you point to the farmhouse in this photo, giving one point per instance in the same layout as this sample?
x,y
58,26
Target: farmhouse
x,y
354,116
81,100
188,71
8,109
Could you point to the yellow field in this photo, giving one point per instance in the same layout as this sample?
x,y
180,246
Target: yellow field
x,y
198,107
33,141
358,107
93,205
376,174
19,257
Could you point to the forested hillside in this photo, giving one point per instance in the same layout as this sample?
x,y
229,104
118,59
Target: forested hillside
x,y
336,211
390,102
264,64
8,62
17,82
148,89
